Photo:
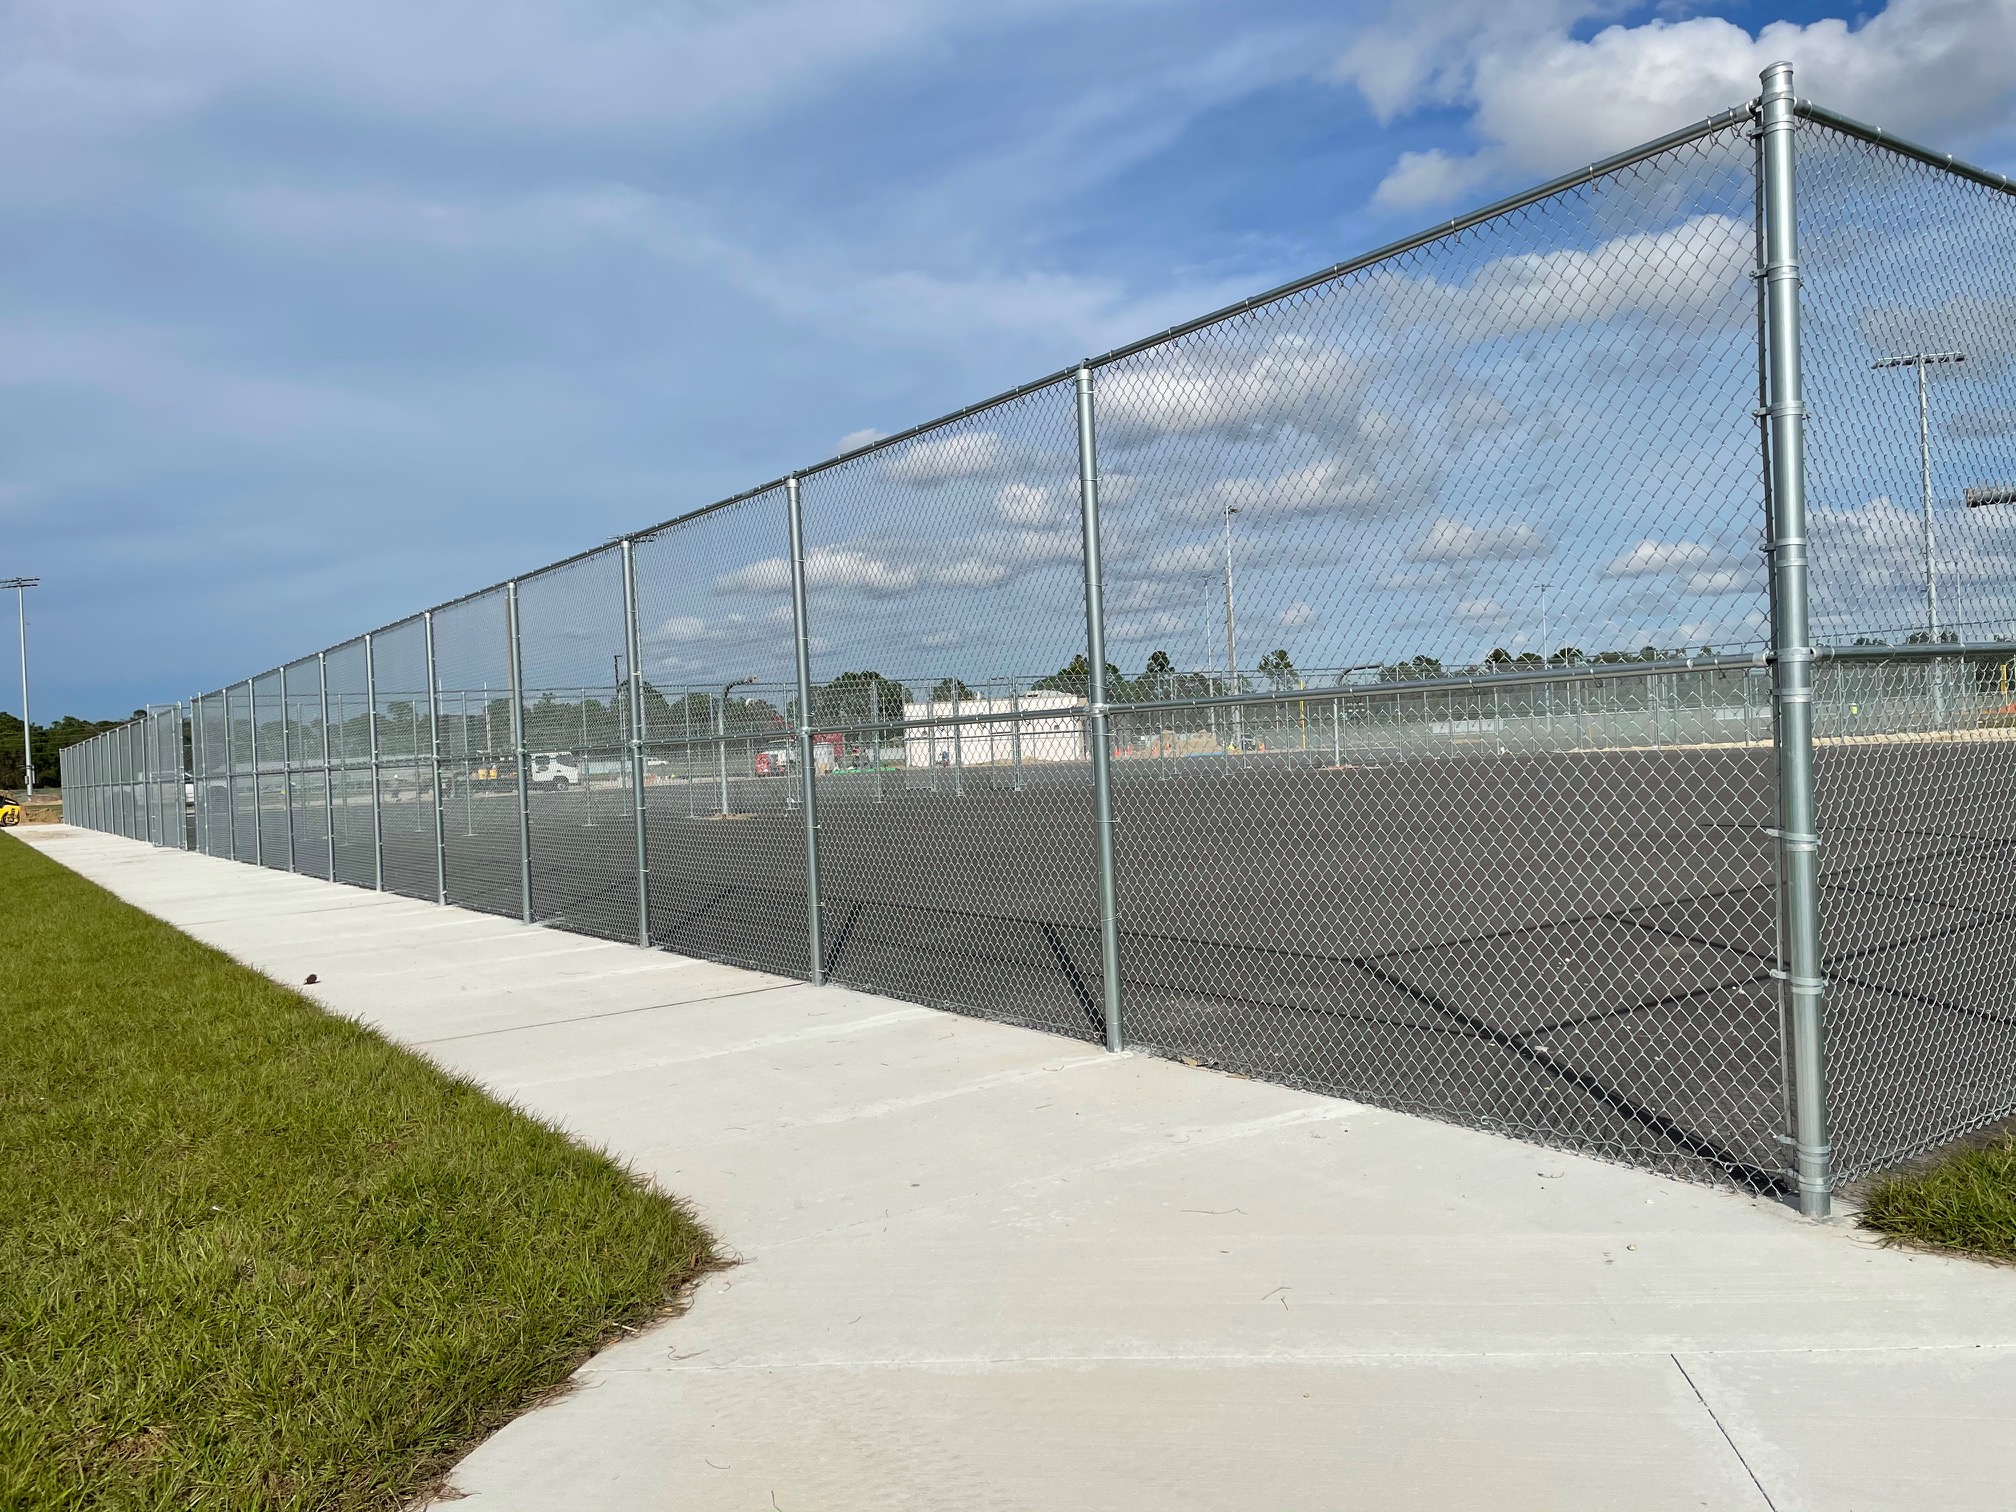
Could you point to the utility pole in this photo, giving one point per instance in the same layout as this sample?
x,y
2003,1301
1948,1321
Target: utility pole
x,y
21,585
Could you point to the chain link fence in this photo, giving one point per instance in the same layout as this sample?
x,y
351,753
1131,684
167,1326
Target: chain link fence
x,y
1476,679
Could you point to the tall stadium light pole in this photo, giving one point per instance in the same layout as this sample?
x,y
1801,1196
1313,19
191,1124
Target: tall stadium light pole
x,y
21,585
1920,361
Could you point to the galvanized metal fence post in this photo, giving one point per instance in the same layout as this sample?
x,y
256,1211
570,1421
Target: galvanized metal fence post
x,y
633,642
230,776
328,762
807,776
1791,647
518,750
1095,651
258,785
371,731
287,761
199,773
434,745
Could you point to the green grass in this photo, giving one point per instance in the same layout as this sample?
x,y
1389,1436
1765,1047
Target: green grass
x,y
1964,1202
255,1256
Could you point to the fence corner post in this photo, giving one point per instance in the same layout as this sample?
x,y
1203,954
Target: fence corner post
x,y
1102,748
1792,653
807,775
633,643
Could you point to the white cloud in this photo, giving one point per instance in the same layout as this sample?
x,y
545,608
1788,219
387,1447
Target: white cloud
x,y
1724,580
941,459
1140,627
1481,611
853,441
1413,582
1298,613
1289,381
1451,540
986,560
1660,556
825,567
1029,504
1544,100
1693,268
683,627
1321,486
1195,559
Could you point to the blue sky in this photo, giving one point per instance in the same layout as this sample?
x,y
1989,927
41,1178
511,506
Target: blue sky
x,y
315,315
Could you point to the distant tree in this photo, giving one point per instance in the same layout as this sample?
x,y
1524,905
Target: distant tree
x,y
1278,670
50,741
860,699
1569,656
951,690
1498,660
1158,677
1529,661
1075,676
1422,668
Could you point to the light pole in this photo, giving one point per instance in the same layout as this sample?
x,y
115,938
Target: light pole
x,y
1920,361
721,735
1544,657
21,585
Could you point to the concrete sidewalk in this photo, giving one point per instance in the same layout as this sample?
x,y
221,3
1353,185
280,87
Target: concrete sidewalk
x,y
987,1268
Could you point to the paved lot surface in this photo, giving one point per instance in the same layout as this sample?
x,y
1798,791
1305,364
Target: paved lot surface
x,y
984,1266
1577,945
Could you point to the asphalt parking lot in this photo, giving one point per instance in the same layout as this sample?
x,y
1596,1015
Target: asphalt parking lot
x,y
1575,947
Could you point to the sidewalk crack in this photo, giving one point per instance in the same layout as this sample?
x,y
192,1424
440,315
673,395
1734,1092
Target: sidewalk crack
x,y
1723,1430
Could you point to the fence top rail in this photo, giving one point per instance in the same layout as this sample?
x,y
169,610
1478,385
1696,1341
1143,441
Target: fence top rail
x,y
1617,162
1848,126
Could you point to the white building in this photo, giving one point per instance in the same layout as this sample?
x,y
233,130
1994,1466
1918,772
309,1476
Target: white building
x,y
1040,726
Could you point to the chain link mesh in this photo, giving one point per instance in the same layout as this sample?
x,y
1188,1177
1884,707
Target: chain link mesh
x,y
1916,758
479,828
572,660
726,849
1440,717
944,583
